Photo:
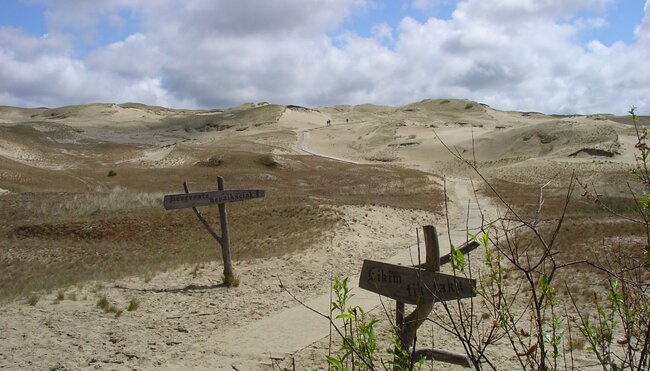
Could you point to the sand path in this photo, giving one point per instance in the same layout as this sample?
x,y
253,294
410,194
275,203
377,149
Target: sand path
x,y
288,331
303,145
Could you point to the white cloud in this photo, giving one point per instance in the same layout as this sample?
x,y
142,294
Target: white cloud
x,y
382,31
512,54
643,30
590,23
135,57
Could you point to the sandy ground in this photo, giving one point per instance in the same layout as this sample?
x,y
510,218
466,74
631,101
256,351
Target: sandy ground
x,y
186,320
182,319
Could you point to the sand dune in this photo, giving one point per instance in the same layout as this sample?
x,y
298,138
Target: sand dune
x,y
184,315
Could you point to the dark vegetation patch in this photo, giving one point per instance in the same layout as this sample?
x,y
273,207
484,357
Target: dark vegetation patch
x,y
641,120
593,152
301,108
222,120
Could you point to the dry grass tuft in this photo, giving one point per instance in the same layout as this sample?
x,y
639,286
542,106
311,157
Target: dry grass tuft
x,y
104,305
119,199
134,304
32,300
230,281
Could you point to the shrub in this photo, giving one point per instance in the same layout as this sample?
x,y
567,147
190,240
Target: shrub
x,y
133,305
32,300
102,303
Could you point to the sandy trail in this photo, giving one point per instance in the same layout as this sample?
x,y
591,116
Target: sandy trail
x,y
303,145
288,331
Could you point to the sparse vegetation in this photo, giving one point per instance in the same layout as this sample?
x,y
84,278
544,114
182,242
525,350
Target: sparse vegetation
x,y
102,303
230,281
382,157
112,173
60,296
90,235
195,271
32,300
82,226
107,307
134,304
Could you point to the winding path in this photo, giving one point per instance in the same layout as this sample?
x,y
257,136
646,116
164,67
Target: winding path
x,y
287,332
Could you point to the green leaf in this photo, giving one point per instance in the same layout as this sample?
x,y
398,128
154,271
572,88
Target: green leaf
x,y
486,239
645,202
647,257
457,259
345,316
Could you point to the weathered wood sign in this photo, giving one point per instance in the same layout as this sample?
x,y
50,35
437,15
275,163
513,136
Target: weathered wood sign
x,y
407,284
186,200
218,197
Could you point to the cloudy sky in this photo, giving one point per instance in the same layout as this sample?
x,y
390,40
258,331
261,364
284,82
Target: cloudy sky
x,y
554,56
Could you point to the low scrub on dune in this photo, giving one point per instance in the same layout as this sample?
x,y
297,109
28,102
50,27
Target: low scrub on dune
x,y
119,199
55,239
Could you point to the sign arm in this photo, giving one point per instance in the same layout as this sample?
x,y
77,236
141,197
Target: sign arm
x,y
464,248
201,218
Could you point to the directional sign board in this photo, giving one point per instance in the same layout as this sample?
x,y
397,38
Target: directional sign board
x,y
406,284
185,200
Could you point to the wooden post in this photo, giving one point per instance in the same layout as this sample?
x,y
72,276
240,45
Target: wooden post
x,y
421,285
228,272
219,197
414,320
399,314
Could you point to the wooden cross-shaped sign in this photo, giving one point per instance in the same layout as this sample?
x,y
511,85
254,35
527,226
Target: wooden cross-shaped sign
x,y
413,285
422,287
219,197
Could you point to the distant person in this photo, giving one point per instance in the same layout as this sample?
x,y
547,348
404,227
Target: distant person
x,y
328,122
346,121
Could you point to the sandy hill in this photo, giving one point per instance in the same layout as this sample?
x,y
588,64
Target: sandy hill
x,y
81,220
410,135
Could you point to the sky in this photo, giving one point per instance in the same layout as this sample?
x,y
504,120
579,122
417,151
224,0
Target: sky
x,y
551,56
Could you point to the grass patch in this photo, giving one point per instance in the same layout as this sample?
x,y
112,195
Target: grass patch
x,y
382,157
32,300
60,296
196,271
134,304
588,233
97,203
107,307
102,303
230,281
58,239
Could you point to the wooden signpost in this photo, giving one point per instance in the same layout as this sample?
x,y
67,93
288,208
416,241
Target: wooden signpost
x,y
185,200
219,197
413,285
422,287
